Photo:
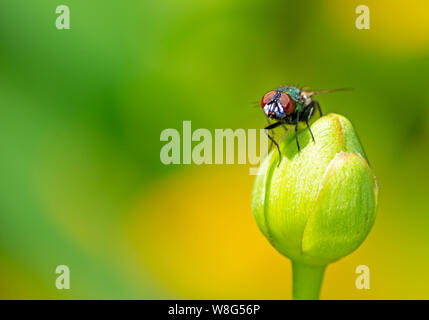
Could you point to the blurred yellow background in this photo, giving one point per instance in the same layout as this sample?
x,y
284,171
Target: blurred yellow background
x,y
81,181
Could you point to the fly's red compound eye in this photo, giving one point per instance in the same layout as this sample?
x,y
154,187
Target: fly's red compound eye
x,y
288,103
267,97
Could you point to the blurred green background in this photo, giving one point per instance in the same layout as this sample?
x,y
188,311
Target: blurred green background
x,y
81,112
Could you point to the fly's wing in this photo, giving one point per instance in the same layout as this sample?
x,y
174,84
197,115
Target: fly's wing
x,y
313,93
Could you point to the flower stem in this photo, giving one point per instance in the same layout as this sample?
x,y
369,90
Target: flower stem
x,y
307,281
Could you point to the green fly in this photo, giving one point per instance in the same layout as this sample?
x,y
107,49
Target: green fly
x,y
290,105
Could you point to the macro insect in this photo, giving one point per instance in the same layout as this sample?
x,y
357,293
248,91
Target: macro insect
x,y
290,105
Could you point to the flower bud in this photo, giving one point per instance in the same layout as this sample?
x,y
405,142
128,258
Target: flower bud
x,y
319,204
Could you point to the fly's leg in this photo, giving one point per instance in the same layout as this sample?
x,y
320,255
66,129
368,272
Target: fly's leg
x,y
310,114
271,127
272,134
312,137
296,131
316,103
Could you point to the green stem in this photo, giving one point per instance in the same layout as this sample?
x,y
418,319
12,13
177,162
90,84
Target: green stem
x,y
307,281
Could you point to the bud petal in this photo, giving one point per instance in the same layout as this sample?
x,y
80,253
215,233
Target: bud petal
x,y
344,211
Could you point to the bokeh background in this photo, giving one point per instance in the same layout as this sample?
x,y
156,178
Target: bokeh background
x,y
81,112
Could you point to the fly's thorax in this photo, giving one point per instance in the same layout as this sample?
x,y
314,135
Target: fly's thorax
x,y
294,93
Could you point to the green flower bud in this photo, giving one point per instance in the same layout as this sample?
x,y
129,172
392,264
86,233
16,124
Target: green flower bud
x,y
319,204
